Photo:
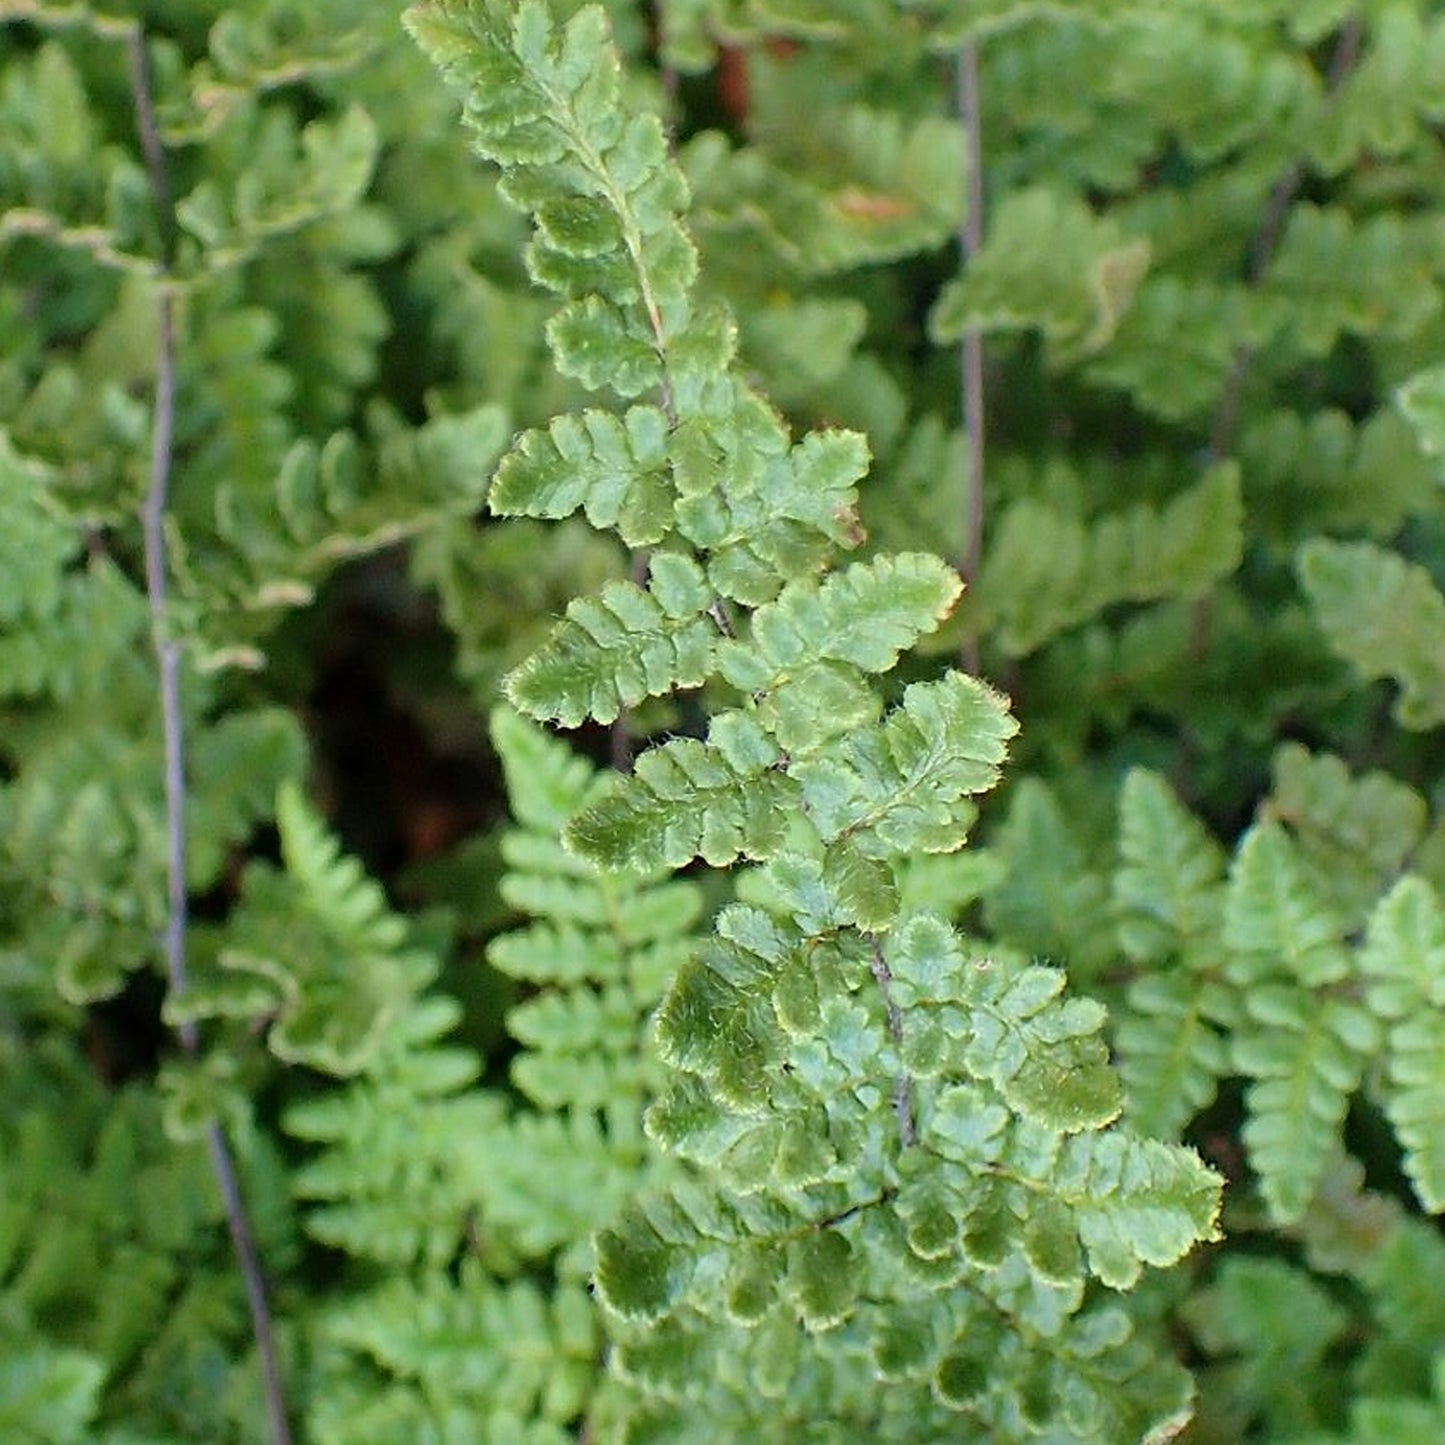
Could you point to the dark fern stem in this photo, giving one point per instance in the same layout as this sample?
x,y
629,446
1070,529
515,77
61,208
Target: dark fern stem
x,y
168,662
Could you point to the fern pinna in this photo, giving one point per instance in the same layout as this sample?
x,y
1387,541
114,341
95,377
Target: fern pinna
x,y
906,1160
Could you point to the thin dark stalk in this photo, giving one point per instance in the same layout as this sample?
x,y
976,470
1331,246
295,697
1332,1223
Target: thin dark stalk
x,y
831,1221
1266,242
168,657
970,238
1282,194
903,1084
243,1243
168,662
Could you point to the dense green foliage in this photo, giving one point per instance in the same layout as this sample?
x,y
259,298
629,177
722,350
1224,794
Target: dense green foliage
x,y
653,981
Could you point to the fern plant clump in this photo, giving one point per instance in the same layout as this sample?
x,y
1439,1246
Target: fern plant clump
x,y
720,720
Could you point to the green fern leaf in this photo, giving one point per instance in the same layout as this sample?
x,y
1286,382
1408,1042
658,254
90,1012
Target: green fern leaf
x,y
1043,1054
36,544
1047,571
322,938
546,781
1422,400
1168,897
1038,240
1327,473
1404,953
1415,1102
1171,1057
599,950
626,645
863,616
1202,319
827,187
1306,1059
320,171
766,519
544,101
49,1395
1048,899
822,1279
1394,82
1339,275
1354,828
718,800
1403,961
1008,1024
904,785
640,1270
602,346
581,1047
1385,617
1167,890
1276,915
613,468
409,1115
491,1354
805,654
717,1020
1275,1325
1135,1202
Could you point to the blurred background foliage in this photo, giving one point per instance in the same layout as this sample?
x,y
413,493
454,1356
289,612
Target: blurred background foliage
x,y
1210,292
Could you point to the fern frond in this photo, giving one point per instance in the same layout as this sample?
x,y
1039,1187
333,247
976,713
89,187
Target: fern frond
x,y
1171,1053
600,948
1009,1026
1007,1194
904,785
1383,616
1415,1102
1277,917
49,1394
1306,1058
766,512
719,800
1338,275
1271,1325
544,101
1049,898
337,962
1169,894
1009,285
1328,473
1047,571
1357,831
1136,1202
614,469
863,616
628,644
1203,318
492,1355
1422,402
1167,889
827,186
99,1204
411,1117
319,171
1403,961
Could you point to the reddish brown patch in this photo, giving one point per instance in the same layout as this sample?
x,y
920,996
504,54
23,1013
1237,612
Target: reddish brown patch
x,y
732,82
861,205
